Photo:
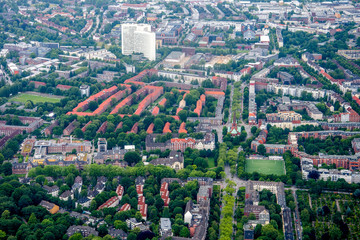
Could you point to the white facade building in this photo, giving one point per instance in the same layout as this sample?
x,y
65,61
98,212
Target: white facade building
x,y
138,38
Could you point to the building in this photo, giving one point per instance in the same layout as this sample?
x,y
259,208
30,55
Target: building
x,y
85,90
112,202
285,116
84,230
252,199
44,147
70,128
52,208
30,124
53,191
165,227
65,196
175,160
138,38
20,168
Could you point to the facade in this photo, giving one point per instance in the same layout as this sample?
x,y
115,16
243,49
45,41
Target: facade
x,y
165,227
285,116
138,38
175,160
175,144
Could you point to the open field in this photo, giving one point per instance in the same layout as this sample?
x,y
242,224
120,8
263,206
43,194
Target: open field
x,y
35,98
265,166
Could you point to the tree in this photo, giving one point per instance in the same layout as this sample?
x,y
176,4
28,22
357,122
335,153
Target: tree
x,y
257,231
253,129
6,168
224,131
32,219
269,231
121,225
103,230
313,174
305,216
261,149
57,131
335,233
357,193
93,105
184,232
183,115
358,42
132,157
76,236
78,133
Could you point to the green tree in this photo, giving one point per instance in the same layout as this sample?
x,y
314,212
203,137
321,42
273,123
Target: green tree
x,y
261,149
132,158
184,232
335,233
269,231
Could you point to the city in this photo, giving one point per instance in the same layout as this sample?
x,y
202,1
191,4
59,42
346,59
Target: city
x,y
183,120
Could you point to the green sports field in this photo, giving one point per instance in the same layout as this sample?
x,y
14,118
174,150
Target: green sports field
x,y
265,166
35,98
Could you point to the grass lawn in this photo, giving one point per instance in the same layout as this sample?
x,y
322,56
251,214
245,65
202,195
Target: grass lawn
x,y
265,166
211,162
35,98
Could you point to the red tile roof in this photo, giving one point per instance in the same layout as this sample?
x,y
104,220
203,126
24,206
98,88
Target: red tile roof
x,y
155,111
63,87
167,128
182,128
150,129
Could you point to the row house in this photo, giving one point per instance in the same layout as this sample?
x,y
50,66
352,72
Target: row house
x,y
102,128
164,193
153,94
83,129
48,130
112,202
70,128
83,106
167,128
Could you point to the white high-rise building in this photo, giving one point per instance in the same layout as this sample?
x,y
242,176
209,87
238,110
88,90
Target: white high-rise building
x,y
138,38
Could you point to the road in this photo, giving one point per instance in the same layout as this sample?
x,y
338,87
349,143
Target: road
x,y
97,25
6,76
297,218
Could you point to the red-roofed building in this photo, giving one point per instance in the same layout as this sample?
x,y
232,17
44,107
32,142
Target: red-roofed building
x,y
38,84
198,108
245,71
182,143
182,128
150,129
86,125
140,190
102,128
153,94
119,126
167,128
143,211
135,128
112,202
141,201
70,128
155,111
63,87
120,191
356,99
162,102
178,110
83,106
203,99
125,207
